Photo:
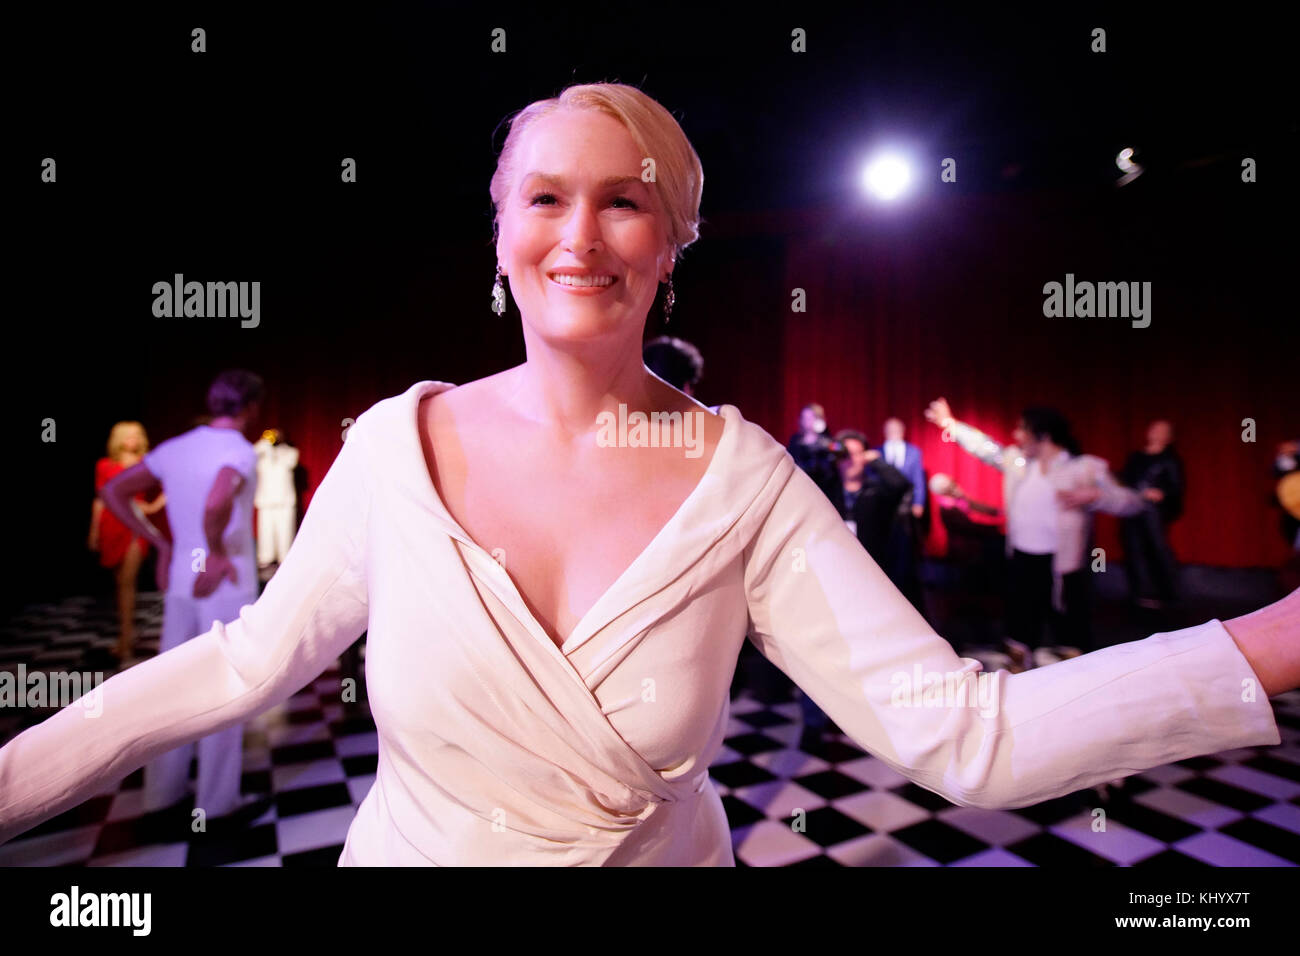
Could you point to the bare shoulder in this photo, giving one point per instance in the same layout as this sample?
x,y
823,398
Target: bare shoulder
x,y
463,408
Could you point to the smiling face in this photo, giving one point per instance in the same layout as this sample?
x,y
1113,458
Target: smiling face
x,y
578,205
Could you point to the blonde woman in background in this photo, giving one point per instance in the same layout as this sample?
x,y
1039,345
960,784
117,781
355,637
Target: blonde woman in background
x,y
118,548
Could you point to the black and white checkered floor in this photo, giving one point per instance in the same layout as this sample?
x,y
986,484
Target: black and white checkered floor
x,y
312,761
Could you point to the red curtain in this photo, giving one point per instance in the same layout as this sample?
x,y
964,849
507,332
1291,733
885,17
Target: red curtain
x,y
939,297
945,299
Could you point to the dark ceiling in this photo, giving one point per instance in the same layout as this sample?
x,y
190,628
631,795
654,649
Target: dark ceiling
x,y
415,94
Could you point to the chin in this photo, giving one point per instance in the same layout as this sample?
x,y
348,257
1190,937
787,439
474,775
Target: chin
x,y
572,325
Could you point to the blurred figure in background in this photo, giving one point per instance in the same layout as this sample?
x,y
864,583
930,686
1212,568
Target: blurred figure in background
x,y
119,548
1286,468
907,535
947,494
1286,463
1051,490
976,562
276,500
1156,473
209,474
816,454
873,491
676,361
906,457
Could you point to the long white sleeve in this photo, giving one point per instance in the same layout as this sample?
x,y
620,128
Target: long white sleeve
x,y
826,615
311,611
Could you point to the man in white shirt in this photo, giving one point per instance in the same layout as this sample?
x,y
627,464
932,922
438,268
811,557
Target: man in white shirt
x,y
1050,490
207,572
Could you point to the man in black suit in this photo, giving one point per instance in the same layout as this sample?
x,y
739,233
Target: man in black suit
x,y
1156,472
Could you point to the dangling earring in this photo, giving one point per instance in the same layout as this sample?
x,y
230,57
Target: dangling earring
x,y
669,299
498,294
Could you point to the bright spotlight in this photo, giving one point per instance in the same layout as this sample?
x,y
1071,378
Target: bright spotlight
x,y
887,177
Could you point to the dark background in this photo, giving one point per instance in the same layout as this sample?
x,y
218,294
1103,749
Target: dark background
x,y
224,166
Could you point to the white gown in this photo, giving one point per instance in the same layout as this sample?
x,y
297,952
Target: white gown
x,y
496,747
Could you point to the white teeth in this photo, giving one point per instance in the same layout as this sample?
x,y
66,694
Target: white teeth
x,y
582,280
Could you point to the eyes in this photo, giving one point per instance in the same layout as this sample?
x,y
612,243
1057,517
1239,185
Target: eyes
x,y
631,204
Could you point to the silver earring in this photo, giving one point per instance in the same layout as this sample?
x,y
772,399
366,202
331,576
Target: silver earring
x,y
669,299
498,295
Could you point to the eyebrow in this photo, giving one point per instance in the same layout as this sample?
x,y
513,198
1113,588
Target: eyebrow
x,y
559,181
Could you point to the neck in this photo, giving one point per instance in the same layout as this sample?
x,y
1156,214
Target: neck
x,y
228,421
1048,451
565,389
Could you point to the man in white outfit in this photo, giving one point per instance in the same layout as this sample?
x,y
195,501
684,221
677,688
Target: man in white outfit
x,y
276,500
207,573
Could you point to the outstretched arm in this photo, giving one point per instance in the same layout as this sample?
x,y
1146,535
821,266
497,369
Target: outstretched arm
x,y
310,612
824,612
1112,497
1102,492
969,438
979,506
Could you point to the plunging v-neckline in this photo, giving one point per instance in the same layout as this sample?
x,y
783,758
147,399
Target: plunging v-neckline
x,y
723,445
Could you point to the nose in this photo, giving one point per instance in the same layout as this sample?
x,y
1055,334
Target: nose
x,y
582,230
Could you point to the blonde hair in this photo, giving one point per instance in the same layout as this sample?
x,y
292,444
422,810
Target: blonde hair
x,y
679,177
117,438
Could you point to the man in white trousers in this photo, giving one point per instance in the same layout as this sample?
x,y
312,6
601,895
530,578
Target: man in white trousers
x,y
276,499
208,571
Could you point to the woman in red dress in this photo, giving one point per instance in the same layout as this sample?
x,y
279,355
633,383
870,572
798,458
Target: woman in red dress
x,y
118,548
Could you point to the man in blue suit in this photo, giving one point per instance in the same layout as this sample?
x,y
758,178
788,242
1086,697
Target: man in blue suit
x,y
906,457
903,567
